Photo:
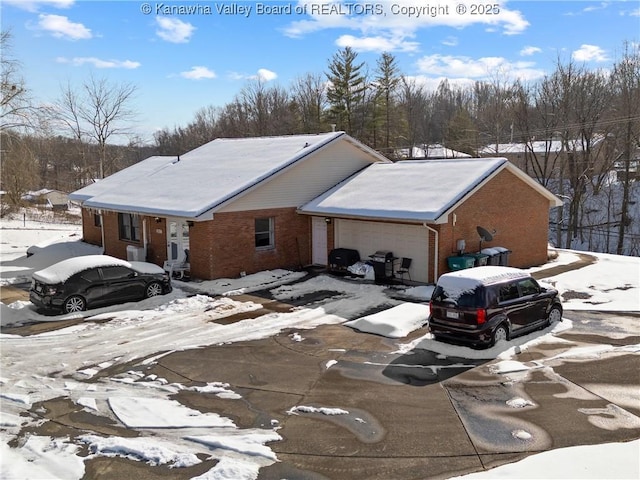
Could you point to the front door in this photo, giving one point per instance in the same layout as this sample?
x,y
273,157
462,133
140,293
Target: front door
x,y
177,239
319,241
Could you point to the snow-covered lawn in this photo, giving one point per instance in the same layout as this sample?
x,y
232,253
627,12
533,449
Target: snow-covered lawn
x,y
57,364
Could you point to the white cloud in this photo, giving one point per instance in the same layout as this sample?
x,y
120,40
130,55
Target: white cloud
x,y
198,73
398,21
61,27
263,75
174,30
376,44
589,53
528,51
34,5
98,63
450,66
450,41
266,75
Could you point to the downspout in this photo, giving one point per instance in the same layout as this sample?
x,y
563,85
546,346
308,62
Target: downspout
x,y
104,248
435,258
145,226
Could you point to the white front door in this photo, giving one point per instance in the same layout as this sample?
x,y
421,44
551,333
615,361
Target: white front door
x,y
177,239
318,241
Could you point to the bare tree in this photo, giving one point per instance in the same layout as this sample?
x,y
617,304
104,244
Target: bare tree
x,y
309,94
625,83
16,109
98,113
19,167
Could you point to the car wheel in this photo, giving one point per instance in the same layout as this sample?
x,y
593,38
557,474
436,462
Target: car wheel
x,y
74,304
153,290
499,334
555,315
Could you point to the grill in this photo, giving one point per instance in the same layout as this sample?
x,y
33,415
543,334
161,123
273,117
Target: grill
x,y
341,258
382,262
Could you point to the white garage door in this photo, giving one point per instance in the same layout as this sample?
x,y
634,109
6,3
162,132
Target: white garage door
x,y
403,240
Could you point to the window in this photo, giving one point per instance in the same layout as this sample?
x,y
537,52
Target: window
x,y
508,292
90,275
264,233
97,220
115,273
528,287
129,227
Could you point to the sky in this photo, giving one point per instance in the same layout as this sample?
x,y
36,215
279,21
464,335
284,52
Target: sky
x,y
142,402
184,55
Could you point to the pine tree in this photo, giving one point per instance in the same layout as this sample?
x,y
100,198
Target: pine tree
x,y
346,90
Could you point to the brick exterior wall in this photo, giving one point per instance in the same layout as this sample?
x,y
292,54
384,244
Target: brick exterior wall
x,y
225,246
518,214
91,233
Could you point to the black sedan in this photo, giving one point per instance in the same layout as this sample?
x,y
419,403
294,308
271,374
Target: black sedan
x,y
91,281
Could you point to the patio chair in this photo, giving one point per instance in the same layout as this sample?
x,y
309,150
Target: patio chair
x,y
178,267
405,266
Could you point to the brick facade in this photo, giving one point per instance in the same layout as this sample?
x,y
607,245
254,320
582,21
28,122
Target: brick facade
x,y
91,232
518,214
225,246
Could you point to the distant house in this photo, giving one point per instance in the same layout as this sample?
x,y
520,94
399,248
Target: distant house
x,y
54,199
251,204
431,151
554,153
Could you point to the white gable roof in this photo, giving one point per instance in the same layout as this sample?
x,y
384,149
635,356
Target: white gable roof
x,y
205,178
131,174
414,190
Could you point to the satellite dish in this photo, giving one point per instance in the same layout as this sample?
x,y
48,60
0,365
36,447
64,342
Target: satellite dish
x,y
485,235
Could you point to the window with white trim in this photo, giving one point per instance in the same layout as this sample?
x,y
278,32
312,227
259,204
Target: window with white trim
x,y
264,233
129,227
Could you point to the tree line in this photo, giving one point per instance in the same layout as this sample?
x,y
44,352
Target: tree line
x,y
594,115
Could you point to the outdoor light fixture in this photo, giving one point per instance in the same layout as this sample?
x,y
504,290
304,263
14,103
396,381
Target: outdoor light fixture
x,y
327,220
157,219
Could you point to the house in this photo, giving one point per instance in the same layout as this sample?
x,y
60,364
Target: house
x,y
549,155
427,209
232,203
251,204
54,199
432,151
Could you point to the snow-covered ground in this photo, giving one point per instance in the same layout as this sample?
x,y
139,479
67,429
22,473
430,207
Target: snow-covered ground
x,y
57,364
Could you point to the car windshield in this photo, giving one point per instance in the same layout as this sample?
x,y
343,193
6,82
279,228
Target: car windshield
x,y
469,298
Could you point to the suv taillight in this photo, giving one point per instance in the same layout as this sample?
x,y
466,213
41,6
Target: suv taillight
x,y
481,315
431,306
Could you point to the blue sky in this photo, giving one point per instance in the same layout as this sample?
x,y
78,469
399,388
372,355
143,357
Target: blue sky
x,y
184,55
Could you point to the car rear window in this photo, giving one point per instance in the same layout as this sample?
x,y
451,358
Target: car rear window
x,y
469,298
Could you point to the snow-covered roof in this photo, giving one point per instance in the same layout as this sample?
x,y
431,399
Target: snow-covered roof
x,y
437,151
538,146
62,271
134,173
412,190
205,178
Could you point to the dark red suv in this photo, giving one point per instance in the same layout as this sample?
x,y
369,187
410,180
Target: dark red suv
x,y
483,305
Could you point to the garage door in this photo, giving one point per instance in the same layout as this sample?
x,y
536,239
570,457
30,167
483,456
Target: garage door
x,y
403,240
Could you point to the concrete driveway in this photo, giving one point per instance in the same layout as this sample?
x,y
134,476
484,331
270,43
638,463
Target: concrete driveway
x,y
410,416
